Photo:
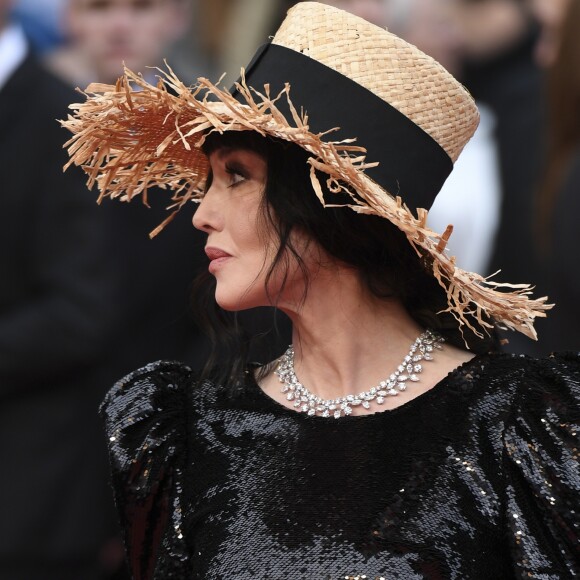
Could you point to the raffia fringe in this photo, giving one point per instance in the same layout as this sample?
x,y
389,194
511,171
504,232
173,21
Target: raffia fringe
x,y
135,135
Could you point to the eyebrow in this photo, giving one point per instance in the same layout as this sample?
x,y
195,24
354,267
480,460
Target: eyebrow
x,y
225,150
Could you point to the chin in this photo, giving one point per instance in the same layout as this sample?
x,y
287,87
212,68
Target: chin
x,y
236,300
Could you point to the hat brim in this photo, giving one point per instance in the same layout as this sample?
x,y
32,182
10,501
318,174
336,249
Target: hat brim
x,y
135,135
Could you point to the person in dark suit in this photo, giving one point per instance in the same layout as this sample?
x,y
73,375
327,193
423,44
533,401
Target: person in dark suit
x,y
153,277
56,318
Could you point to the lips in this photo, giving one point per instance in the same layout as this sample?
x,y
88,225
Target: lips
x,y
217,258
216,253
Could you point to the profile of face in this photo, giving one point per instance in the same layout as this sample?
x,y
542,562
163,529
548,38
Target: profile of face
x,y
241,245
137,32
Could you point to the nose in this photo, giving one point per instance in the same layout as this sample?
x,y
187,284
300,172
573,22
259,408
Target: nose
x,y
206,216
119,21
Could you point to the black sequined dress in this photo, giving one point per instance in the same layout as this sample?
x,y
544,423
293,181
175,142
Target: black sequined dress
x,y
478,478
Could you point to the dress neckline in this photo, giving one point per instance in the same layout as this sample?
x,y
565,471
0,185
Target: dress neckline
x,y
417,401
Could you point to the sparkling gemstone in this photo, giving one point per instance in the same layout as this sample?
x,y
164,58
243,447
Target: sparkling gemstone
x,y
337,414
402,378
356,402
297,403
312,412
414,378
373,391
290,396
400,368
347,410
417,368
332,407
366,404
382,393
418,357
392,392
427,356
305,408
349,398
392,377
408,358
402,387
320,408
383,384
326,413
285,389
429,348
380,400
409,368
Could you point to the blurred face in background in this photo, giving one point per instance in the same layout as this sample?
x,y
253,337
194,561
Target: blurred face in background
x,y
428,24
431,25
372,10
137,32
5,6
550,14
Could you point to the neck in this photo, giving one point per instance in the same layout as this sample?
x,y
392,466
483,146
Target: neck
x,y
346,340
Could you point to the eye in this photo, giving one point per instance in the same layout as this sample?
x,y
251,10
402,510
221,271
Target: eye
x,y
236,173
236,178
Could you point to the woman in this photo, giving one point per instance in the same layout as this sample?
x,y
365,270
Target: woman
x,y
388,441
557,201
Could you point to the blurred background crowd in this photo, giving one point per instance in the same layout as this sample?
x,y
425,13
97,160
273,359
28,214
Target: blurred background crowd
x,y
85,296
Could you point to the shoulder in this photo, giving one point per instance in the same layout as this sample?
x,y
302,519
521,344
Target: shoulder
x,y
548,383
518,388
146,383
147,409
146,416
33,80
540,461
527,375
546,403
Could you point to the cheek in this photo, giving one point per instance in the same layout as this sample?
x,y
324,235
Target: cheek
x,y
256,233
297,270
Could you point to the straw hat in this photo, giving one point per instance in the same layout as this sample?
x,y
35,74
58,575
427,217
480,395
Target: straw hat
x,y
376,114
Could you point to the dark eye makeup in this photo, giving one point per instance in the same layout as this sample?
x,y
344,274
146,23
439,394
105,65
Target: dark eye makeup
x,y
235,168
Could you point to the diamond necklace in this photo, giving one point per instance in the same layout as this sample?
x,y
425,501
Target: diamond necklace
x,y
409,370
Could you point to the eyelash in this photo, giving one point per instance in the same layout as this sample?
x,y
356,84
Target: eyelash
x,y
234,172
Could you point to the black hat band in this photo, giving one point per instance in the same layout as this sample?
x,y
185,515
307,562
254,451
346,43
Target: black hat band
x,y
411,163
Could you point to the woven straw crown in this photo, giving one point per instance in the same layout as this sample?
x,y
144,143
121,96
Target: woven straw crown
x,y
134,135
394,70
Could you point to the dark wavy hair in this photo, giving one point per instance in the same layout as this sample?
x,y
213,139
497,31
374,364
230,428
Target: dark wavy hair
x,y
388,265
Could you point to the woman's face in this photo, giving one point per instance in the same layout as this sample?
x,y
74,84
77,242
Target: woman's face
x,y
239,245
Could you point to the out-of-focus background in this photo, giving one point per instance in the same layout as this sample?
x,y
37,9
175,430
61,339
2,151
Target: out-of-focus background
x,y
85,296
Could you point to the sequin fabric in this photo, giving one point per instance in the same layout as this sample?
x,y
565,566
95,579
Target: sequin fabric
x,y
478,478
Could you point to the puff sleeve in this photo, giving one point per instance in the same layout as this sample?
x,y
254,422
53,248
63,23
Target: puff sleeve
x,y
541,462
145,416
